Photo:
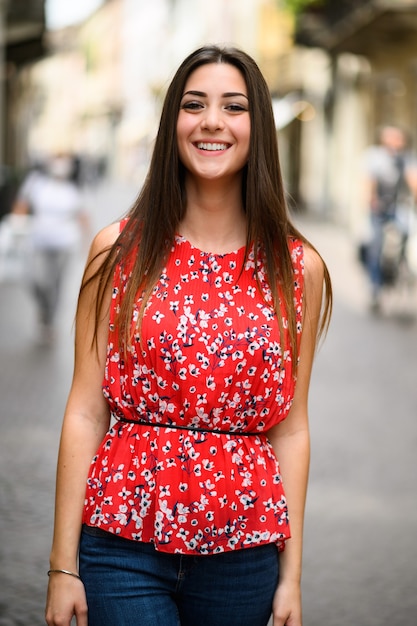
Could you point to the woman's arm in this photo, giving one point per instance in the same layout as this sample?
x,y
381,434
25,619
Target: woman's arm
x,y
86,420
291,442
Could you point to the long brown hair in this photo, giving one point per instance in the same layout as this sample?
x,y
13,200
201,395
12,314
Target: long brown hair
x,y
155,216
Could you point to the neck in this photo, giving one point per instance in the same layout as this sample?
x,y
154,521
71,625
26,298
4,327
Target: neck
x,y
214,219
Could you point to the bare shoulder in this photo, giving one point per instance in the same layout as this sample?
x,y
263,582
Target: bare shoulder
x,y
100,247
104,239
314,275
313,266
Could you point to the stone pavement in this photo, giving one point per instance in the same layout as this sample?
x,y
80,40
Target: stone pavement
x,y
361,519
360,557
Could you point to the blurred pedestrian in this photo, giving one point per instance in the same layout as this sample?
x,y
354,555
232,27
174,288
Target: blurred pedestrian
x,y
391,189
196,330
58,221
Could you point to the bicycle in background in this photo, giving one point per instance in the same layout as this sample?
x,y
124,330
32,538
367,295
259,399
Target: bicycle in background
x,y
392,252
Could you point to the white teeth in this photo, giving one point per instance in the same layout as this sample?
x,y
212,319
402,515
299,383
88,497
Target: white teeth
x,y
211,146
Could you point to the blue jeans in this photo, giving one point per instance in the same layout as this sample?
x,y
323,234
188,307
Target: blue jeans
x,y
379,224
375,251
129,583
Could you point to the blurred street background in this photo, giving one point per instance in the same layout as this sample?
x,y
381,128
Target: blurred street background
x,y
90,83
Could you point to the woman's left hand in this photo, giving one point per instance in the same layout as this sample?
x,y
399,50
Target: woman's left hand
x,y
286,607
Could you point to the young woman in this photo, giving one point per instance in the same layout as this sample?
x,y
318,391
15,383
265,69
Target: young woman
x,y
184,456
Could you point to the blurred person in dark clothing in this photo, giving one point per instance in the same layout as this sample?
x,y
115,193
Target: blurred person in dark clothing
x,y
58,219
391,189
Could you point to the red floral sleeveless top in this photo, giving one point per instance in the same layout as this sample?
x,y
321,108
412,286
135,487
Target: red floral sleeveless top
x,y
209,370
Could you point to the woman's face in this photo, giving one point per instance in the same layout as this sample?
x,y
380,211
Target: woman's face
x,y
213,127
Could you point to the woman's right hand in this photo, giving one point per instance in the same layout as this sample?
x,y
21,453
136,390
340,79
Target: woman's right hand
x,y
65,599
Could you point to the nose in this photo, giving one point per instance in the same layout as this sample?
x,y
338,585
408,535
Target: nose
x,y
212,119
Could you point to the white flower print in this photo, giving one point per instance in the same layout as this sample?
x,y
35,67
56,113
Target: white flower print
x,y
193,370
223,500
158,317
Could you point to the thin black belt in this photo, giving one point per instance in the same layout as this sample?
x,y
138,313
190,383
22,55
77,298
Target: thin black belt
x,y
216,431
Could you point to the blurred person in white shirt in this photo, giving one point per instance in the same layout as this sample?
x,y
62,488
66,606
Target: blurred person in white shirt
x,y
58,220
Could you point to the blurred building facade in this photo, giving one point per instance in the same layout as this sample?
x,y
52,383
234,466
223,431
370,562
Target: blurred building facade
x,y
336,74
368,73
22,30
99,91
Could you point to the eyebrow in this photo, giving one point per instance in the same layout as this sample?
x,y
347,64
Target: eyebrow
x,y
228,94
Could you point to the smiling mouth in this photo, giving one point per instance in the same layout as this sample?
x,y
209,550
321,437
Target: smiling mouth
x,y
212,147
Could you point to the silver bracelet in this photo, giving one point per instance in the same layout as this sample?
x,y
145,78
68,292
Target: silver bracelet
x,y
63,571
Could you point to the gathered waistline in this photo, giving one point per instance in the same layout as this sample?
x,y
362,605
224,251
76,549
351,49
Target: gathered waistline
x,y
198,429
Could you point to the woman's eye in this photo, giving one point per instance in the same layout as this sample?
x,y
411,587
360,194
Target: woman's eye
x,y
236,108
192,105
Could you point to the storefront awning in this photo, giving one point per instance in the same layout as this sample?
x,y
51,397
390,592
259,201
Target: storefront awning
x,y
24,25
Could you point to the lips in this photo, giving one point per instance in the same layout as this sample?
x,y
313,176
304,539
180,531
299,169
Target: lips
x,y
212,147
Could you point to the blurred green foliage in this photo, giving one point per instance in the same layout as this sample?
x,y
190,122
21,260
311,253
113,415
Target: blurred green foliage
x,y
297,6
